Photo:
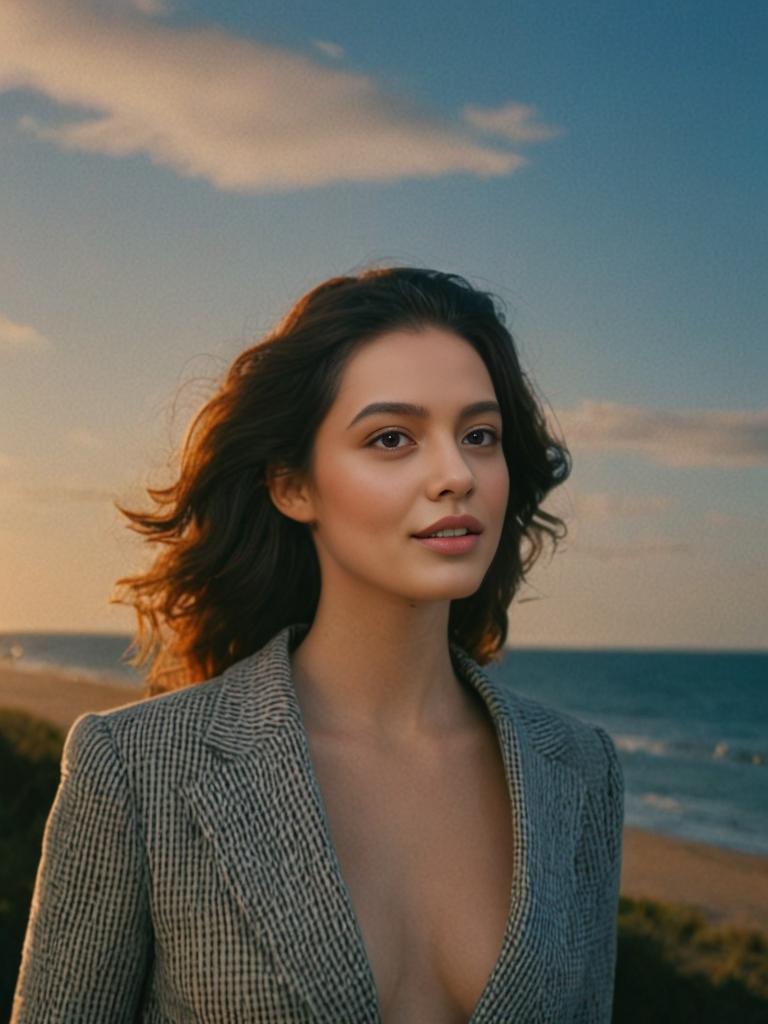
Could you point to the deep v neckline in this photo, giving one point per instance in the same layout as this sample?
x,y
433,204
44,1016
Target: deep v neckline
x,y
517,906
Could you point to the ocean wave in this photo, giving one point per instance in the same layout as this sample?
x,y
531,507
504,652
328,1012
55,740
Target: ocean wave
x,y
641,744
722,751
719,750
663,803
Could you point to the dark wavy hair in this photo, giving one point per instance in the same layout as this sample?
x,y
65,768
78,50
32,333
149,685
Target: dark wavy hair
x,y
233,570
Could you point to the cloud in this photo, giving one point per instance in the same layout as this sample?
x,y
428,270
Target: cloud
x,y
735,520
632,551
603,506
332,50
154,8
82,438
240,114
17,337
514,121
695,437
55,493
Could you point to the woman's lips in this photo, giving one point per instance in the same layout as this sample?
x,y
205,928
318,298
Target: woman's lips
x,y
450,545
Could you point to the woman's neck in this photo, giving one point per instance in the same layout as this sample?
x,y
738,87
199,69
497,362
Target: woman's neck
x,y
381,680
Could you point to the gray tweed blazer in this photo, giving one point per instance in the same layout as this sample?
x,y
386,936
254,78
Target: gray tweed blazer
x,y
188,872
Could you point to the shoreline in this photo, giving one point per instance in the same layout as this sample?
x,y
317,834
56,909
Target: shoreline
x,y
729,886
60,697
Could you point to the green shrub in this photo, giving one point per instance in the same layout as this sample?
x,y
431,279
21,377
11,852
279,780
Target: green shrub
x,y
674,966
30,754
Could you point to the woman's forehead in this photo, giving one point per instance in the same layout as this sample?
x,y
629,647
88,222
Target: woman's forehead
x,y
426,367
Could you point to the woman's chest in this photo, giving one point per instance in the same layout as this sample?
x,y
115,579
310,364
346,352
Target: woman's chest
x,y
261,902
425,848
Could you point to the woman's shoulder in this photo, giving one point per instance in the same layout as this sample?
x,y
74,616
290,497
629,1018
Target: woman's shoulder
x,y
180,730
187,702
584,747
587,751
172,725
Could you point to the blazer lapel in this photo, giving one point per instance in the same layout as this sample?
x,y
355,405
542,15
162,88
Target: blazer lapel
x,y
546,803
261,810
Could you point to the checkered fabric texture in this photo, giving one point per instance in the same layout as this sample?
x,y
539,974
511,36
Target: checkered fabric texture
x,y
188,873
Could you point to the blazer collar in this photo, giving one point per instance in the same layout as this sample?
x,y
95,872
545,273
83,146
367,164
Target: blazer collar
x,y
261,810
258,696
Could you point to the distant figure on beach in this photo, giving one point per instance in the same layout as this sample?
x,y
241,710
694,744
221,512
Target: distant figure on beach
x,y
328,811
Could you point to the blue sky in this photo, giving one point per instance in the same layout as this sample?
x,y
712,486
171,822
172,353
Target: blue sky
x,y
175,174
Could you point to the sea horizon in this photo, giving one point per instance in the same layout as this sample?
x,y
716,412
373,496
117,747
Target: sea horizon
x,y
527,646
690,726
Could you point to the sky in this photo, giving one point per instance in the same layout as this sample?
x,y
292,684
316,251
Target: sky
x,y
176,173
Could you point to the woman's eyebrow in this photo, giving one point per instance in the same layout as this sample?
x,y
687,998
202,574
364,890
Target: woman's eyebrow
x,y
408,409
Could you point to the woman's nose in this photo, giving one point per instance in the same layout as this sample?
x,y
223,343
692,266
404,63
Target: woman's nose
x,y
451,470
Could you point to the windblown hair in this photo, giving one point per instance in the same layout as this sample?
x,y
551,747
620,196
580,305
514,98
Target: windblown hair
x,y
233,570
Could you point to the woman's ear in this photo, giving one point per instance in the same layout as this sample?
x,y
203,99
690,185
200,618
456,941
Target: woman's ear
x,y
289,494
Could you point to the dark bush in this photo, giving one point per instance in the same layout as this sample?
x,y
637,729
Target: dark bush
x,y
674,966
30,755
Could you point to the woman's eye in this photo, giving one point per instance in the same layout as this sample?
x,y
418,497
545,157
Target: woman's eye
x,y
485,430
399,433
388,433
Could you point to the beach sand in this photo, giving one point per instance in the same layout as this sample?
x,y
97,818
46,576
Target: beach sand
x,y
728,886
60,698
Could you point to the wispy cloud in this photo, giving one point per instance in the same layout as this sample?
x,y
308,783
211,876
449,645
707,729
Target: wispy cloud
x,y
635,549
56,492
695,437
83,438
604,506
243,115
154,8
736,520
515,121
20,337
332,50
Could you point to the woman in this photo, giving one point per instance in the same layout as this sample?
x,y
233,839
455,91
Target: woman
x,y
349,821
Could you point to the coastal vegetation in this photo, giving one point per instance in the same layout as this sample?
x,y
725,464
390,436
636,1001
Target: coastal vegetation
x,y
672,965
30,752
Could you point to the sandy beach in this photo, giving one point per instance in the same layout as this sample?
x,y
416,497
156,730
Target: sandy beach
x,y
730,887
60,698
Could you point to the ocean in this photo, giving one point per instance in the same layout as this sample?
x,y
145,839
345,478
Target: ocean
x,y
691,728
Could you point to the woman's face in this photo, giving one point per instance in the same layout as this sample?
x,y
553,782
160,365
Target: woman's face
x,y
379,478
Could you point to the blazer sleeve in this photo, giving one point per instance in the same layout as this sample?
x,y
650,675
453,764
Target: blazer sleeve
x,y
88,938
606,846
